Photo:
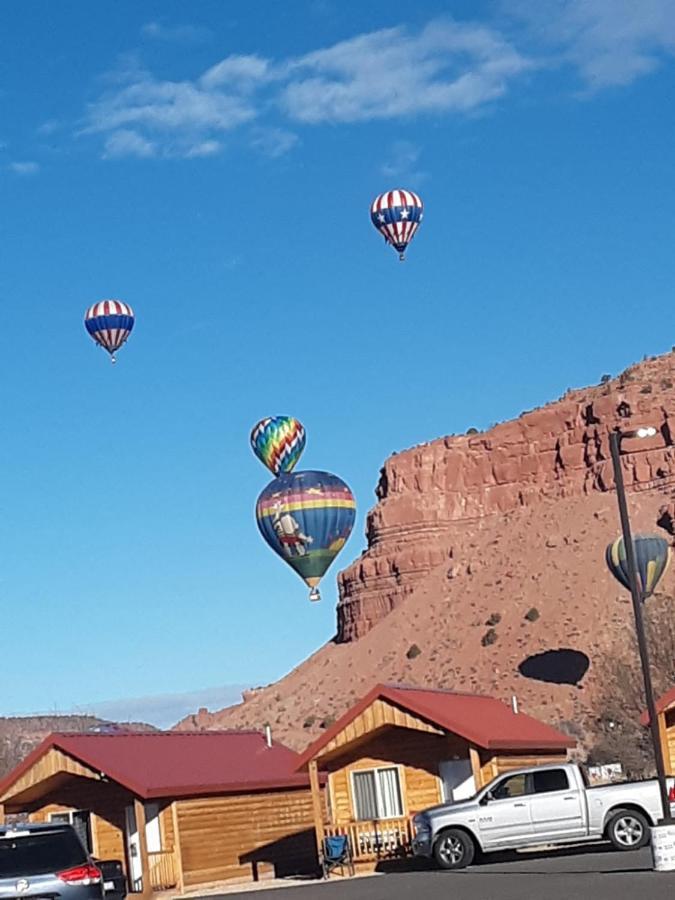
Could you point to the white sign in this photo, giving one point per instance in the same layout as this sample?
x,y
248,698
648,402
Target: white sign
x,y
663,848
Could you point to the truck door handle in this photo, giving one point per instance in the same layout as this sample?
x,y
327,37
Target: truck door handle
x,y
569,798
519,804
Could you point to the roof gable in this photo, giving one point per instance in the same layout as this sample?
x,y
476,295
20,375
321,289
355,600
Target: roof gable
x,y
483,721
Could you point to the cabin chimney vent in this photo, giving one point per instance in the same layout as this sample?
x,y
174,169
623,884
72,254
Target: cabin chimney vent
x,y
268,735
514,704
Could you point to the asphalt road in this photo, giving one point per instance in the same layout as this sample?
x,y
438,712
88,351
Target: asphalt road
x,y
556,875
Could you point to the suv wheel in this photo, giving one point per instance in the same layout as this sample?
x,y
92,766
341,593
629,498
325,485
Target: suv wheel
x,y
454,849
628,830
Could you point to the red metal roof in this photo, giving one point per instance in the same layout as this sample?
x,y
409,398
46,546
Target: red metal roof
x,y
662,704
483,721
177,764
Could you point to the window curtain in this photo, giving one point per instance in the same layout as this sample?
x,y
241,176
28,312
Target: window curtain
x,y
365,798
391,806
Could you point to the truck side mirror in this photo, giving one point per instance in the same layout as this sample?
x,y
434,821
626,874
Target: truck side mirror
x,y
485,799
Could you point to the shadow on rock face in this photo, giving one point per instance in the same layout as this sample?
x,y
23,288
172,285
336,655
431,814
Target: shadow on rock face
x,y
562,666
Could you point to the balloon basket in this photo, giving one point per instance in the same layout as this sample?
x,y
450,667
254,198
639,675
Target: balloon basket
x,y
314,595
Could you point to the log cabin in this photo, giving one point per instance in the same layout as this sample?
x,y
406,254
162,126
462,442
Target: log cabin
x,y
665,711
402,749
179,809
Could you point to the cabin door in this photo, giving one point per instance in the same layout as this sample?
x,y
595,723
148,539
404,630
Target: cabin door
x,y
457,778
135,868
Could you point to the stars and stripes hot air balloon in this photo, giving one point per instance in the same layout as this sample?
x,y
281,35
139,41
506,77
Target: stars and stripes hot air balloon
x,y
397,215
278,442
652,554
306,518
110,323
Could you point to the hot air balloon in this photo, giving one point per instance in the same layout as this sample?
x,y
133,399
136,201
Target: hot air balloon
x,y
652,554
397,216
109,322
278,442
306,518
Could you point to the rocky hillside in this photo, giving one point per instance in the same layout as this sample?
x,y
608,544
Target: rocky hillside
x,y
21,734
486,551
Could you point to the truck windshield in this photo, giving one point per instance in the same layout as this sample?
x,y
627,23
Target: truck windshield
x,y
39,853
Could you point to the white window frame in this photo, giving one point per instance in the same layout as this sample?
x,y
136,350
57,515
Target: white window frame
x,y
374,770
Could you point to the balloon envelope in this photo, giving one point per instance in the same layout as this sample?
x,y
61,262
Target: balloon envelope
x,y
397,216
306,518
652,554
110,323
278,442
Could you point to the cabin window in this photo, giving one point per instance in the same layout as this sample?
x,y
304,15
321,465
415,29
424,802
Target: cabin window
x,y
377,793
80,819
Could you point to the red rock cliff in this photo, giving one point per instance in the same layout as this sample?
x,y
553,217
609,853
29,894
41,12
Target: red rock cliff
x,y
431,495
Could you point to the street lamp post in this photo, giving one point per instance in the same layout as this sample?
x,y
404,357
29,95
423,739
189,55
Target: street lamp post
x,y
615,439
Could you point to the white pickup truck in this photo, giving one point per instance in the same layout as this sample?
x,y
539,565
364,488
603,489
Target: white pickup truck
x,y
531,807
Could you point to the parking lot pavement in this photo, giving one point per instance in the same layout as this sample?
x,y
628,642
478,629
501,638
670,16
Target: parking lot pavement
x,y
558,875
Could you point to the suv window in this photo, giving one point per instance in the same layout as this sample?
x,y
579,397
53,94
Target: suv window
x,y
39,853
515,786
552,780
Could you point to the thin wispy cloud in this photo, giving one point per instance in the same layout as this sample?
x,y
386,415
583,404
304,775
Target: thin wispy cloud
x,y
273,142
163,710
444,68
24,168
610,42
402,163
157,31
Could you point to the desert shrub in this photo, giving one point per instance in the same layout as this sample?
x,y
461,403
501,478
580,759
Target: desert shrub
x,y
413,651
490,637
532,614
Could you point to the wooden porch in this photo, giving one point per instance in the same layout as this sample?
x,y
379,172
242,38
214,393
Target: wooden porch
x,y
376,840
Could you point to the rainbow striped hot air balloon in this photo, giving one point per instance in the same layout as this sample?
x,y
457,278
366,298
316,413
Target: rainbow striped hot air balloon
x,y
652,555
278,442
110,323
306,518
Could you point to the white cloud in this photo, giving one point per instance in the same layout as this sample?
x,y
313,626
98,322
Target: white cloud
x,y
243,72
128,143
402,162
204,148
385,74
447,66
177,33
611,42
24,168
273,142
49,127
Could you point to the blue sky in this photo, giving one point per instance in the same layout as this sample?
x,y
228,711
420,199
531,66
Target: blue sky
x,y
213,164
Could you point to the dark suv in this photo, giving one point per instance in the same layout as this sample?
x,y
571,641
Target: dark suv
x,y
46,861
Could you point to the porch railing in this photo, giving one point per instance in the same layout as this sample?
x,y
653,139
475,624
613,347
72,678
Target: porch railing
x,y
373,840
162,870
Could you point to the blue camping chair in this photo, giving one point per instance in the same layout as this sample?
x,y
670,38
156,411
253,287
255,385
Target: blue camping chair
x,y
335,853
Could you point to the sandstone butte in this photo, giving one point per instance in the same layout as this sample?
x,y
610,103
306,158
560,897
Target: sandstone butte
x,y
471,529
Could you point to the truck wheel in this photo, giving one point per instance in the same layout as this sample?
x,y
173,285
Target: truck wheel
x,y
454,849
628,830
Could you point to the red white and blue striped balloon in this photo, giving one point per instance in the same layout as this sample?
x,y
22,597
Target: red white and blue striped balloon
x,y
397,216
109,322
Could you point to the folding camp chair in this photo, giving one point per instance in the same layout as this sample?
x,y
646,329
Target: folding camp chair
x,y
335,853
